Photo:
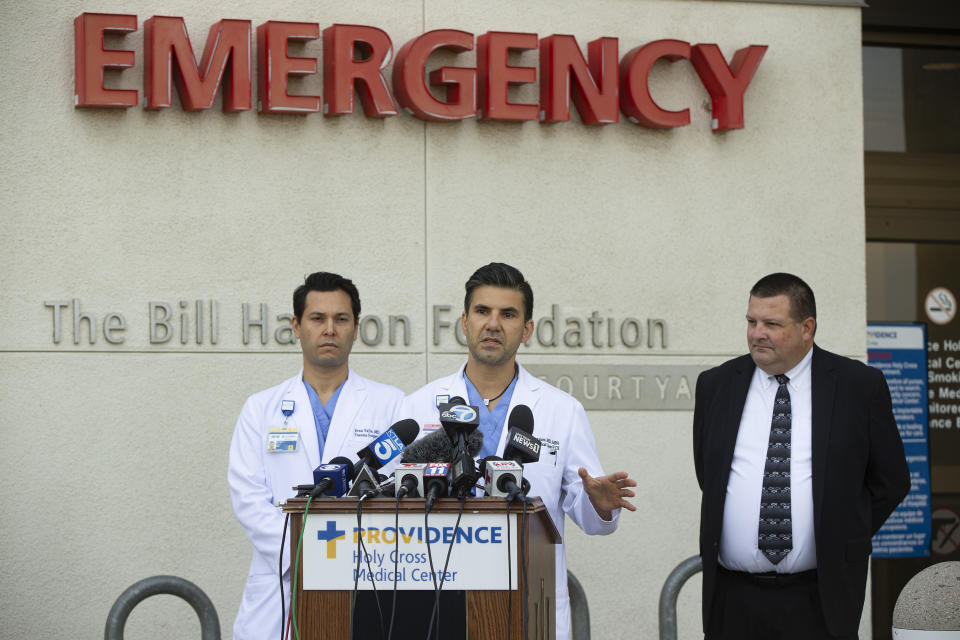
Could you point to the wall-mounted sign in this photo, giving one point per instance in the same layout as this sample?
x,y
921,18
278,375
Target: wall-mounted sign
x,y
900,352
940,305
208,322
946,532
624,387
600,85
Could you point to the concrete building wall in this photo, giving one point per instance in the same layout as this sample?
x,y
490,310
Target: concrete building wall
x,y
114,455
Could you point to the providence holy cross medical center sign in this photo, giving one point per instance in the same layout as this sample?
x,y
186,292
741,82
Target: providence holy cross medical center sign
x,y
355,58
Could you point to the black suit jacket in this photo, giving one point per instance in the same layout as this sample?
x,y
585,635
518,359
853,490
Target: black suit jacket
x,y
860,472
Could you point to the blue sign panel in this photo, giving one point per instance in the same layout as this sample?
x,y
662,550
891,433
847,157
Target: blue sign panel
x,y
899,351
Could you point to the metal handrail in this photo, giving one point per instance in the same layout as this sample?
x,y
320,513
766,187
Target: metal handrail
x,y
210,623
579,609
155,585
668,595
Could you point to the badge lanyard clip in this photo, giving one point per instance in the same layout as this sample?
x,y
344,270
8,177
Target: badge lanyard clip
x,y
286,408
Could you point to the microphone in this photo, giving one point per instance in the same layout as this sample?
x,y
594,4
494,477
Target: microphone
x,y
522,447
409,479
459,420
384,448
502,477
365,486
303,489
435,482
387,445
388,487
331,479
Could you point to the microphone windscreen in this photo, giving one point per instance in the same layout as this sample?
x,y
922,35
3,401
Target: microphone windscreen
x,y
407,430
474,443
521,418
457,400
432,448
348,462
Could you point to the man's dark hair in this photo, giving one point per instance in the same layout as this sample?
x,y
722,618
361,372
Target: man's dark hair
x,y
324,281
802,303
498,274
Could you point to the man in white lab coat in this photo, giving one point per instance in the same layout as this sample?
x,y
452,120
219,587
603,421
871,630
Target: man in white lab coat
x,y
568,478
283,433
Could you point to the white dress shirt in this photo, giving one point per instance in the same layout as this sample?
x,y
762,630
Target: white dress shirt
x,y
741,513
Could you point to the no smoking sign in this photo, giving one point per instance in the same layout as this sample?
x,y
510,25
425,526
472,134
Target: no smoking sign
x,y
940,305
946,532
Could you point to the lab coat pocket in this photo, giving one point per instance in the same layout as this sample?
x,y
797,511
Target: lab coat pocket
x,y
260,590
550,452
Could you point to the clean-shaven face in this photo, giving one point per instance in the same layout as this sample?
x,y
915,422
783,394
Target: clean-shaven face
x,y
776,340
327,329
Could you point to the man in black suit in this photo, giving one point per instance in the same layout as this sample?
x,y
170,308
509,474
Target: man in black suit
x,y
800,462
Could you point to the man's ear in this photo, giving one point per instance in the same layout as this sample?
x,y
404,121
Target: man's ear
x,y
809,329
527,331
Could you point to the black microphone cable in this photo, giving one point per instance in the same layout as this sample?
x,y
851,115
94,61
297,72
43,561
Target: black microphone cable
x,y
356,574
285,628
433,573
446,563
396,561
523,569
509,577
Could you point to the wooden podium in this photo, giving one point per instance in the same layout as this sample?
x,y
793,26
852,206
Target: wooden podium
x,y
325,614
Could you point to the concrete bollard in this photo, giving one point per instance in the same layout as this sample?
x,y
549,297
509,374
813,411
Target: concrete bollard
x,y
928,608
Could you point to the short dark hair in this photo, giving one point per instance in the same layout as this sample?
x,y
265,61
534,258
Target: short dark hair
x,y
802,303
325,281
498,274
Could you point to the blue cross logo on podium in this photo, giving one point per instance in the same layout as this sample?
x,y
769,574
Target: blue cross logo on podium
x,y
331,534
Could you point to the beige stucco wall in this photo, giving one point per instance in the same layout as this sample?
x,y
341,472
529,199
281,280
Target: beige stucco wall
x,y
114,456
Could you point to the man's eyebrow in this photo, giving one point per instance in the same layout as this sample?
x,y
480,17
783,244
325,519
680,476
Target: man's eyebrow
x,y
484,307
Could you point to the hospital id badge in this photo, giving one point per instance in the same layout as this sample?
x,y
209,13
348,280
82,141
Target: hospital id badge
x,y
282,439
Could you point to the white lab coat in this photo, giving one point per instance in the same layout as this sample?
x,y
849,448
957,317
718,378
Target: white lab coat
x,y
561,424
259,480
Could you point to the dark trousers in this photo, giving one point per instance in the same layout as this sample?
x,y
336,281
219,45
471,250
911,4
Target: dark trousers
x,y
747,608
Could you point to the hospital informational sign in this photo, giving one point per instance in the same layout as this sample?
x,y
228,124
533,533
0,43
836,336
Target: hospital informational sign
x,y
483,552
899,351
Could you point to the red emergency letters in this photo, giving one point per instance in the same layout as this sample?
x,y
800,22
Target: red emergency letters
x,y
275,66
356,59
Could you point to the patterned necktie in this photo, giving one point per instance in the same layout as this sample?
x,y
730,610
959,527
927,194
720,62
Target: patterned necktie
x,y
775,533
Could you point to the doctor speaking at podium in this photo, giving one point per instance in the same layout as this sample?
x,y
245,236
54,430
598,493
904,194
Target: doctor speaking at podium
x,y
496,320
283,433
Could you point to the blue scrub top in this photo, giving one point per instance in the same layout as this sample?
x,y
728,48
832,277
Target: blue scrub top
x,y
491,422
322,413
